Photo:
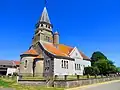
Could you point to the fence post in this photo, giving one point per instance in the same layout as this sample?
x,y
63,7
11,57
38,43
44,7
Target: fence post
x,y
55,77
78,77
65,77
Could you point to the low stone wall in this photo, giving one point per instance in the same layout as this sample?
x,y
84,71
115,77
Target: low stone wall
x,y
32,82
67,83
76,83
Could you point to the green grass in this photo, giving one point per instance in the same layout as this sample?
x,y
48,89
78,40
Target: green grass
x,y
9,83
71,77
33,78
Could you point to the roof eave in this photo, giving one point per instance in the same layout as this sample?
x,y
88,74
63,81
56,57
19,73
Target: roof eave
x,y
86,59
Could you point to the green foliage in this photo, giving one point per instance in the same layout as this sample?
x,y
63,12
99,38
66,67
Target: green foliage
x,y
104,65
88,70
98,56
96,71
92,71
118,69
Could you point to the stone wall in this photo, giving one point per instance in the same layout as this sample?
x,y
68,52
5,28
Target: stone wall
x,y
32,82
68,83
76,83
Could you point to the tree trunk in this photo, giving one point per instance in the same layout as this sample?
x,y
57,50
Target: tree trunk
x,y
95,75
101,75
88,76
65,77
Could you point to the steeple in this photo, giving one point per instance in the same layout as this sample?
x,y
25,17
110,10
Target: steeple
x,y
44,21
43,29
44,16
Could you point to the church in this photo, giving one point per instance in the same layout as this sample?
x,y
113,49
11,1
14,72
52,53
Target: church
x,y
48,57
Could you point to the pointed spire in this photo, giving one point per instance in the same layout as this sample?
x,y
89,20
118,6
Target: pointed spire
x,y
45,17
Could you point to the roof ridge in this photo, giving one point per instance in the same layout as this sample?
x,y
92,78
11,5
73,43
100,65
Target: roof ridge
x,y
66,45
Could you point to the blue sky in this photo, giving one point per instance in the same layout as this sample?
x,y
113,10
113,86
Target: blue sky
x,y
90,25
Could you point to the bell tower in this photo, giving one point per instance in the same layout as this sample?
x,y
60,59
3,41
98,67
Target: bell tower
x,y
43,29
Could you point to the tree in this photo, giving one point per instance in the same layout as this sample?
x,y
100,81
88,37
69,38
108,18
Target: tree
x,y
118,69
96,56
111,67
91,71
96,71
88,71
104,65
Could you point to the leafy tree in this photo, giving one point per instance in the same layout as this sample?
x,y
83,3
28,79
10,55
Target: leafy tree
x,y
118,69
104,65
111,67
91,71
96,56
96,71
88,71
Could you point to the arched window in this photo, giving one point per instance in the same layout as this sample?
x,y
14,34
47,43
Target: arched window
x,y
46,26
67,64
49,26
25,63
41,25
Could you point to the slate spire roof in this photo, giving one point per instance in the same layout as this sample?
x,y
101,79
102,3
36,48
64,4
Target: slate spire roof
x,y
44,16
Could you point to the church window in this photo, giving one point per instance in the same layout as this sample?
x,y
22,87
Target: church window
x,y
62,64
49,26
46,26
41,25
25,63
75,66
67,64
48,39
79,67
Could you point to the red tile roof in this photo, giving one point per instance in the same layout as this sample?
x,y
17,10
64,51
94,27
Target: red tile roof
x,y
68,49
62,50
31,51
65,49
52,49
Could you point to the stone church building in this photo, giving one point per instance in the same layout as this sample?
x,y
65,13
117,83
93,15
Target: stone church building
x,y
46,56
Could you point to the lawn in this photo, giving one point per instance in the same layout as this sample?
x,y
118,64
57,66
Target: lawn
x,y
11,83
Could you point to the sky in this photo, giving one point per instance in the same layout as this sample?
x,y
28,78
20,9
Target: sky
x,y
90,25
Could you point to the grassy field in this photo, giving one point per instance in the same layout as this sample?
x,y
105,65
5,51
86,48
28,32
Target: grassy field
x,y
11,83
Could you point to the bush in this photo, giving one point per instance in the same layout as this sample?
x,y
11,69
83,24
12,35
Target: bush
x,y
91,71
